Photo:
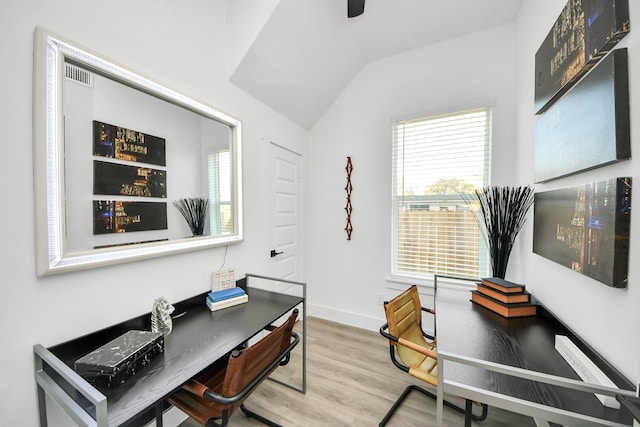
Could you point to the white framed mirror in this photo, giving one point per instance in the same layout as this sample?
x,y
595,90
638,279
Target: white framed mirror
x,y
113,151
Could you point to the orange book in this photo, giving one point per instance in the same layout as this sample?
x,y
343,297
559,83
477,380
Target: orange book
x,y
502,285
509,298
506,310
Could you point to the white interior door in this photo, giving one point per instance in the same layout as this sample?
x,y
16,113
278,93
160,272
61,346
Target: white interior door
x,y
286,252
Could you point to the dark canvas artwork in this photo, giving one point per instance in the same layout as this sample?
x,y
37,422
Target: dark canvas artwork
x,y
586,228
125,144
589,126
111,216
124,180
584,32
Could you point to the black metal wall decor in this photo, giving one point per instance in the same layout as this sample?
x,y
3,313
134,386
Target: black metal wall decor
x,y
583,33
348,189
589,126
586,228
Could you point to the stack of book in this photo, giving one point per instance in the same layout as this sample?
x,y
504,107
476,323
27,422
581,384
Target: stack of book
x,y
217,300
506,298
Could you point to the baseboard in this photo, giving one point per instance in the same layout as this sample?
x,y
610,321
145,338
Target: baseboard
x,y
345,317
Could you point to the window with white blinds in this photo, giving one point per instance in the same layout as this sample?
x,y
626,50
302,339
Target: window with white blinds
x,y
219,173
436,161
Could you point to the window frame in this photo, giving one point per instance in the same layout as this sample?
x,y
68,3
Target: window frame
x,y
483,257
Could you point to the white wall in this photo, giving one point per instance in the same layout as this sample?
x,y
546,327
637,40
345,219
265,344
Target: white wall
x,y
605,317
495,65
181,44
187,51
345,277
186,145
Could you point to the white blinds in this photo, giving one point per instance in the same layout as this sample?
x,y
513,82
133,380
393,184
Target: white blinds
x,y
435,161
219,173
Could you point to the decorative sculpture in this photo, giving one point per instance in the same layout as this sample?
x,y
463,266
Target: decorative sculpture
x,y
502,212
161,316
348,208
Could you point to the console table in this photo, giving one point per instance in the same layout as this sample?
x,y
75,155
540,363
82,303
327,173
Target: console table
x,y
199,338
512,364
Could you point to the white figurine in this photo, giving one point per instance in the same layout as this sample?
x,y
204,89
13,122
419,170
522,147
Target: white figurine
x,y
161,316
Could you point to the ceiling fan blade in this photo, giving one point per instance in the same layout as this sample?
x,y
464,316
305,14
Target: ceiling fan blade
x,y
355,8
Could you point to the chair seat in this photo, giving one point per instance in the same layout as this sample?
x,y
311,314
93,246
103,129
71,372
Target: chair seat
x,y
216,393
420,365
200,408
411,352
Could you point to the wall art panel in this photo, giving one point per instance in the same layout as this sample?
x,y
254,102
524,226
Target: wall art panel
x,y
589,126
586,228
113,216
126,144
125,180
582,34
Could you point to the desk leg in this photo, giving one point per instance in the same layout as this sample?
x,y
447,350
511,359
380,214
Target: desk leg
x,y
440,394
159,407
467,412
541,423
42,407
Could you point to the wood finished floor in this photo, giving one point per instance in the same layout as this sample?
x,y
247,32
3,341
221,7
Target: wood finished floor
x,y
350,382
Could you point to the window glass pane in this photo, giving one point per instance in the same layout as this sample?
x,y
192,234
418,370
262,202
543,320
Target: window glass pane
x,y
436,160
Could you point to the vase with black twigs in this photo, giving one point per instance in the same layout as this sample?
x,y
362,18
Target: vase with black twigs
x,y
501,212
194,211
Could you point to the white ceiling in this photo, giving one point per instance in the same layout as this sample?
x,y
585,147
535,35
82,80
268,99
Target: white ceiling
x,y
308,51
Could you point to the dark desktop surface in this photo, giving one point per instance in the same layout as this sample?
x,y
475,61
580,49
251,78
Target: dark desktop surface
x,y
467,329
198,339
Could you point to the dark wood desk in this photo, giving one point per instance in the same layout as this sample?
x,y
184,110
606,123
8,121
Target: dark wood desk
x,y
513,364
199,338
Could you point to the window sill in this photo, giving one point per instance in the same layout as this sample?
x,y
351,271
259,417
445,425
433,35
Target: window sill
x,y
401,282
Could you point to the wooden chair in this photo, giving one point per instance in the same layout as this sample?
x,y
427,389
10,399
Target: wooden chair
x,y
212,397
414,351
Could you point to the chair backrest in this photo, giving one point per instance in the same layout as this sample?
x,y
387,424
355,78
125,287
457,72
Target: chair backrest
x,y
245,366
404,317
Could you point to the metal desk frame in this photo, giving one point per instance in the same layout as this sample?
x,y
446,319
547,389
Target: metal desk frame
x,y
541,413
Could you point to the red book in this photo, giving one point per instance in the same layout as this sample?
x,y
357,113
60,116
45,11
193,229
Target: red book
x,y
506,310
509,298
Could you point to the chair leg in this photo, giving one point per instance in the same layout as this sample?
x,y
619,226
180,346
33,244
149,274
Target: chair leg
x,y
400,399
249,413
467,411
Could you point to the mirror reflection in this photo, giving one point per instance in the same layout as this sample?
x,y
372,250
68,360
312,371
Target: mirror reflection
x,y
117,155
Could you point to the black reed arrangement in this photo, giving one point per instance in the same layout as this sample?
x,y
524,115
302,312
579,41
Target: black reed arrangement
x,y
502,212
194,211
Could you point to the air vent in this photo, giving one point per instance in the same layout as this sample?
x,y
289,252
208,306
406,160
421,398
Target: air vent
x,y
78,75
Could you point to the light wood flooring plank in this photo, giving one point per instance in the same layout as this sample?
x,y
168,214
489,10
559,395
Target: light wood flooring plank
x,y
351,381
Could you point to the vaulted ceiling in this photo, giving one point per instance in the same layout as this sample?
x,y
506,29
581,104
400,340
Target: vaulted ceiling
x,y
305,52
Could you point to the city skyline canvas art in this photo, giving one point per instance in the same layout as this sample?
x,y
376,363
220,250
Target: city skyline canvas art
x,y
125,144
583,33
114,216
586,228
589,126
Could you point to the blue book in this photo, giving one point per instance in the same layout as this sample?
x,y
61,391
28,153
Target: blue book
x,y
225,294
